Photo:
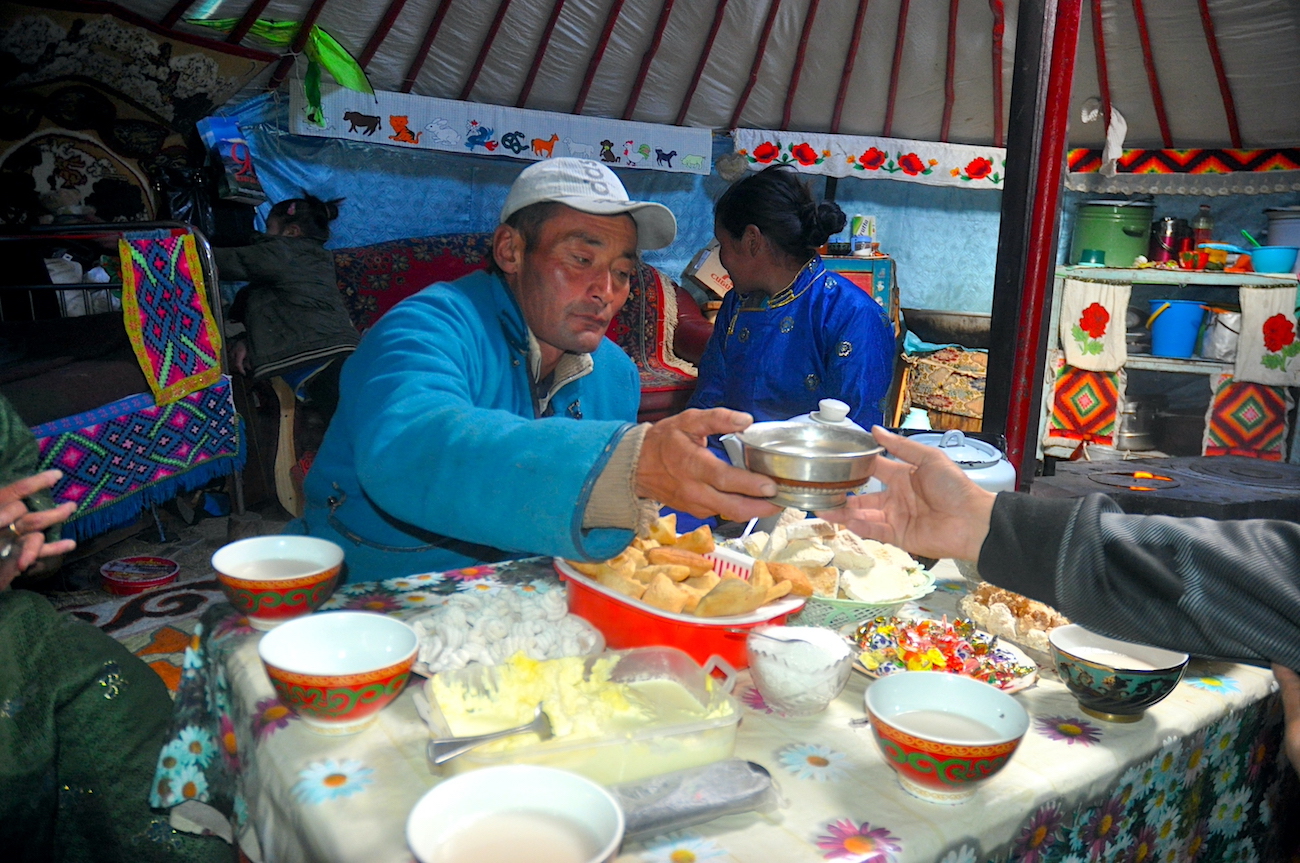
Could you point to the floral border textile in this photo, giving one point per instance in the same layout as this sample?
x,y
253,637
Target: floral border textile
x,y
966,166
426,123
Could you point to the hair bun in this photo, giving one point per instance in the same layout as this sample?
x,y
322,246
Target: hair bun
x,y
824,220
332,208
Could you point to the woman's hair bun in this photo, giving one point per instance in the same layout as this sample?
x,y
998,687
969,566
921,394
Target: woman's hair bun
x,y
332,208
824,220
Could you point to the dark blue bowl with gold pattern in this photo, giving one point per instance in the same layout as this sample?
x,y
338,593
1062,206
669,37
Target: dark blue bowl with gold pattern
x,y
1111,679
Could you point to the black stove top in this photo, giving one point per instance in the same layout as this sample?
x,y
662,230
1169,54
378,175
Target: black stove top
x,y
1224,487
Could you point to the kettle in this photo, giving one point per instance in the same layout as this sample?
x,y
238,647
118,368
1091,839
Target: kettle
x,y
983,463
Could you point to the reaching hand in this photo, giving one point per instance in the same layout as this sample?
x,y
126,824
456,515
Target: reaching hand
x,y
239,357
676,468
22,530
929,507
1289,683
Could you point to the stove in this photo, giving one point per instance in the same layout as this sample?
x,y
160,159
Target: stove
x,y
1222,487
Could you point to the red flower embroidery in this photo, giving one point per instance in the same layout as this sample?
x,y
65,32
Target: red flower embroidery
x,y
911,164
1094,319
1278,332
805,154
766,152
872,159
979,168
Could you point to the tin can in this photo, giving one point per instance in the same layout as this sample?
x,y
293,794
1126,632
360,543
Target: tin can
x,y
856,225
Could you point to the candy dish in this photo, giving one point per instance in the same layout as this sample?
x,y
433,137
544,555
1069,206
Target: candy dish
x,y
943,733
1113,680
894,644
338,669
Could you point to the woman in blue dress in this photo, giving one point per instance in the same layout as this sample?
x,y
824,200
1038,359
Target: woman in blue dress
x,y
790,333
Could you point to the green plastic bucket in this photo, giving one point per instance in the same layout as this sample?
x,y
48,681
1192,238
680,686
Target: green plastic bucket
x,y
1119,228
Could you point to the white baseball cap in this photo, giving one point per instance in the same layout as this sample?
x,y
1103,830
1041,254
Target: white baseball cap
x,y
589,187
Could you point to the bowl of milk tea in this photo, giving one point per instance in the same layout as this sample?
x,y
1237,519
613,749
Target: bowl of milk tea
x,y
1111,679
516,812
272,579
943,734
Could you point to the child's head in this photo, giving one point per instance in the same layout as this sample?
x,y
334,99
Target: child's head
x,y
307,216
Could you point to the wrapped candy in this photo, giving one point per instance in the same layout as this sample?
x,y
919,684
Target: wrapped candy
x,y
891,644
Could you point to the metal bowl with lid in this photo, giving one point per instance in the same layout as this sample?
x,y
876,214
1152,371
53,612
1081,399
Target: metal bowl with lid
x,y
814,465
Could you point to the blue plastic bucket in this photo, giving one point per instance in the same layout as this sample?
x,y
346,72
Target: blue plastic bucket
x,y
1174,325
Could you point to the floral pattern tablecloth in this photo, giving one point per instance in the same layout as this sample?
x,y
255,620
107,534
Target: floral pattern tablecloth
x,y
1201,778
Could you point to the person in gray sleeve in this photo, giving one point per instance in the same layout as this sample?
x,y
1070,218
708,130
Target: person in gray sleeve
x,y
1222,589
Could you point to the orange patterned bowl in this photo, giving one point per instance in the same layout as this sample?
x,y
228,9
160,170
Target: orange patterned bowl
x,y
338,669
942,734
272,579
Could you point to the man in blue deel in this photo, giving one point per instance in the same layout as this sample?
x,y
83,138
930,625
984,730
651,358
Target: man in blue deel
x,y
489,417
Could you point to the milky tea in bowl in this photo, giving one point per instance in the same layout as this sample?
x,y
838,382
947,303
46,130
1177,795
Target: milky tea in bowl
x,y
516,812
272,579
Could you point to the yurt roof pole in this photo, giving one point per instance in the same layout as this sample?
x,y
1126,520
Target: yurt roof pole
x,y
1148,60
483,50
381,32
900,35
999,31
718,12
772,9
299,43
1047,40
799,56
174,14
1229,106
949,87
1103,79
610,20
542,45
246,23
422,53
630,108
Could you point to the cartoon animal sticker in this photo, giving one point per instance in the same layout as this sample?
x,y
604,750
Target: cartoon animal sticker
x,y
607,152
402,130
692,162
443,133
479,136
664,159
630,155
358,121
515,142
544,146
580,150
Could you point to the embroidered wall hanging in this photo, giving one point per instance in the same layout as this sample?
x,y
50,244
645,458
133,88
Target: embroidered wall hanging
x,y
167,316
1092,324
965,165
427,123
1246,419
1085,406
119,459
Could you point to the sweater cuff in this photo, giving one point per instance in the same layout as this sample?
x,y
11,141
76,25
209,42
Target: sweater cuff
x,y
1023,546
613,502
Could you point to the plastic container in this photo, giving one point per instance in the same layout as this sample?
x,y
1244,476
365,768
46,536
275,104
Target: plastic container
x,y
658,747
626,622
1273,259
1174,326
131,575
1202,227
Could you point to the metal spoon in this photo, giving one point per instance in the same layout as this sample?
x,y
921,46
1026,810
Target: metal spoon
x,y
443,749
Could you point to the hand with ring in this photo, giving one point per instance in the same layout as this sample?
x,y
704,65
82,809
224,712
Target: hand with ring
x,y
22,538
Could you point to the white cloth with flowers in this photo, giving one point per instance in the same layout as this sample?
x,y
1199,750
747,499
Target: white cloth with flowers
x,y
1268,346
1092,325
1089,785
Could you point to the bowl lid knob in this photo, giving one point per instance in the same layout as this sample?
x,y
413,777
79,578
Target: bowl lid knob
x,y
831,411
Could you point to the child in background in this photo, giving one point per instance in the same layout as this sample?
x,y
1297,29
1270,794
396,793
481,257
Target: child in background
x,y
297,326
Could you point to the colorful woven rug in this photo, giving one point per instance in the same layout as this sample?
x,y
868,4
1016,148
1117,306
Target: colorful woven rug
x,y
373,279
644,329
167,316
132,454
1246,419
1085,405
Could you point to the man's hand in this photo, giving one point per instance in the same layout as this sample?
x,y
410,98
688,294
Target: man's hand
x,y
677,468
929,507
1289,683
239,357
30,544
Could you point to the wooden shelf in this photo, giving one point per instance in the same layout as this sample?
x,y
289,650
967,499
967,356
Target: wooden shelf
x,y
1148,363
1155,276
